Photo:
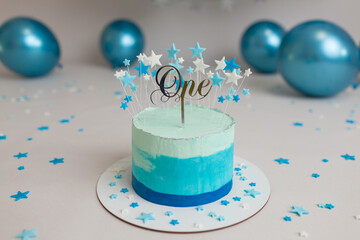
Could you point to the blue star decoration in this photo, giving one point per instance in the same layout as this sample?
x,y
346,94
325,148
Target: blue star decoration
x,y
251,193
348,157
174,222
299,211
216,80
57,160
315,175
118,176
145,217
199,209
224,202
287,219
237,169
124,190
27,234
190,70
237,199
221,99
153,73
43,128
169,213
228,97
298,124
231,65
113,196
236,98
325,160
127,79
243,178
64,121
2,137
20,195
21,155
197,51
21,168
282,160
134,88
176,65
142,69
124,105
134,205
212,214
111,184
321,205
128,98
221,218
329,206
232,90
246,92
172,52
252,184
126,62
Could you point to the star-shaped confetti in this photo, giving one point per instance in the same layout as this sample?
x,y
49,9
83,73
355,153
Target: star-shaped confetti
x,y
348,157
43,128
177,65
57,161
224,202
287,219
21,155
2,137
231,65
200,209
299,210
298,124
190,70
251,193
329,206
112,184
221,218
21,168
126,62
212,214
315,175
174,222
20,195
232,91
172,52
197,51
145,217
221,99
200,66
282,161
237,199
128,98
246,92
134,205
169,213
124,190
252,184
236,98
127,80
134,88
142,68
216,80
124,105
303,234
113,196
27,234
118,176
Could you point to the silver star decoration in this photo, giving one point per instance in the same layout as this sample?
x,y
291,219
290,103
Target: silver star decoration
x,y
247,72
200,65
220,64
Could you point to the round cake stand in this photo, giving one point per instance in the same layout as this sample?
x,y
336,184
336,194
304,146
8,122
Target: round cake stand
x,y
249,194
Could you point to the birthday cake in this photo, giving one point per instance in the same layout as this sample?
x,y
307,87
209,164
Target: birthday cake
x,y
182,165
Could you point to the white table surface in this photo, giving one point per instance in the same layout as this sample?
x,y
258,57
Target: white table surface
x,y
62,202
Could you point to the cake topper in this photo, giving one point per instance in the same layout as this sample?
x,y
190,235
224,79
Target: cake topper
x,y
171,83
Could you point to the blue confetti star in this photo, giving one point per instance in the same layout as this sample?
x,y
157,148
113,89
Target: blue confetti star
x,y
134,88
238,71
126,62
237,169
325,160
174,222
57,160
212,214
118,176
252,184
298,124
21,168
350,121
27,234
221,218
329,206
176,65
169,213
282,161
20,195
30,139
111,184
299,211
221,99
224,202
237,199
124,105
64,121
228,97
287,219
315,175
145,217
142,68
251,193
216,80
243,178
199,209
172,52
236,98
190,70
118,93
127,79
2,137
43,128
153,73
238,173
348,157
134,205
128,98
231,65
21,155
124,190
321,205
232,91
246,92
197,50
81,130
113,196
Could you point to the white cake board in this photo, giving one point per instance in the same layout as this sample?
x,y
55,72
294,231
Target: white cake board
x,y
190,218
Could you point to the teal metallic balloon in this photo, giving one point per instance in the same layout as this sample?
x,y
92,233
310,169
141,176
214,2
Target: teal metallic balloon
x,y
120,40
318,59
259,45
28,47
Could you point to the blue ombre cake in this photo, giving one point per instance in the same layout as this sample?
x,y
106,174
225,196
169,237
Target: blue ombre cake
x,y
182,166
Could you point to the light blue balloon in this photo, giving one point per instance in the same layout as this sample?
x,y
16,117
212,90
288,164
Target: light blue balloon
x,y
28,47
260,43
120,40
318,59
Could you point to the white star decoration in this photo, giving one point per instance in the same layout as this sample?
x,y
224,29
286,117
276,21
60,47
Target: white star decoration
x,y
141,57
198,225
200,65
147,77
119,74
244,205
181,60
220,64
247,72
303,234
357,217
210,74
154,59
124,211
232,77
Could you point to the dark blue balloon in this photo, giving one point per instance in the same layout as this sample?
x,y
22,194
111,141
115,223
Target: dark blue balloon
x,y
318,58
121,40
260,43
28,47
